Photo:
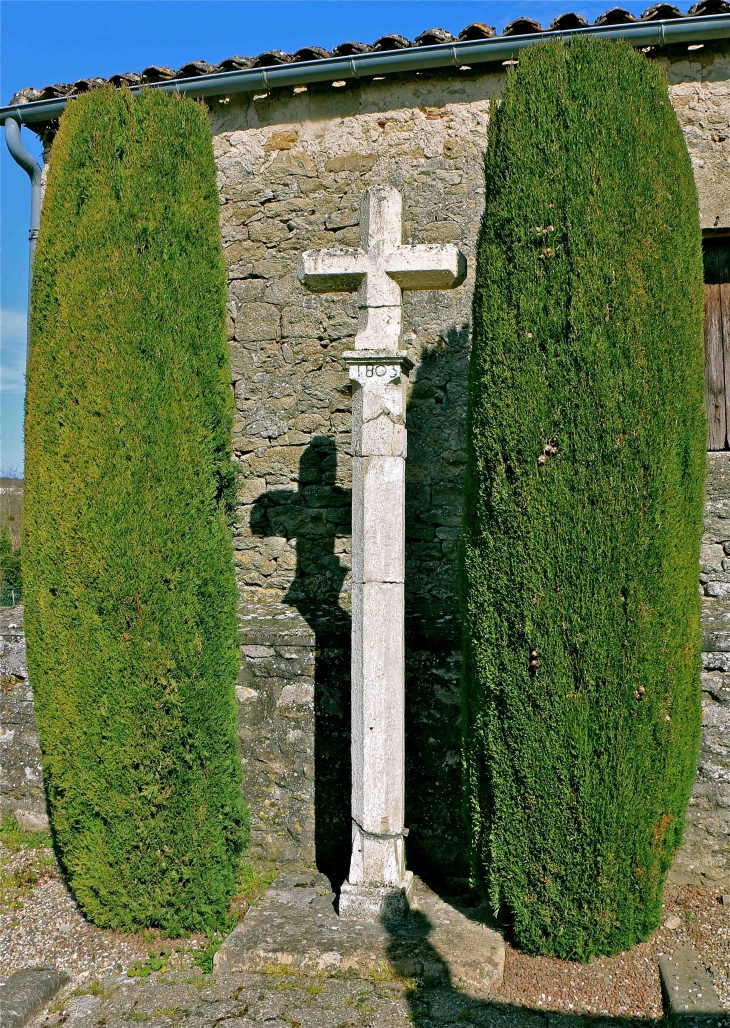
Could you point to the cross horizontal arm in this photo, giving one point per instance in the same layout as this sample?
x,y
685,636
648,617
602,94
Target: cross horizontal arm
x,y
427,266
335,270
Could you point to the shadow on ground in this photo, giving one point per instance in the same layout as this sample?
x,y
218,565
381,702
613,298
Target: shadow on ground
x,y
435,1000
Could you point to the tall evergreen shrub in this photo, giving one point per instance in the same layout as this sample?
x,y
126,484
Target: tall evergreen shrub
x,y
11,580
583,504
127,557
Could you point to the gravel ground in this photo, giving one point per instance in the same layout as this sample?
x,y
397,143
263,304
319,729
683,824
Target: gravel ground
x,y
627,984
41,925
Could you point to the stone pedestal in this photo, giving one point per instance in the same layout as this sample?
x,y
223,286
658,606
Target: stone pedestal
x,y
378,884
294,926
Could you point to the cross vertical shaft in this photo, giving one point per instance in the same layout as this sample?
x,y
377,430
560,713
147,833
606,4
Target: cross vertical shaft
x,y
379,270
377,881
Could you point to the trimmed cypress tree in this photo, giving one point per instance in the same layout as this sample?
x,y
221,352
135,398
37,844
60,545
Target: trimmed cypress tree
x,y
127,556
584,501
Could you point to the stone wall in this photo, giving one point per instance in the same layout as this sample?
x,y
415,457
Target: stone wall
x,y
294,732
292,168
21,776
706,850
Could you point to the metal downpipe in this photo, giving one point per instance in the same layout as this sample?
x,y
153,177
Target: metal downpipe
x,y
21,156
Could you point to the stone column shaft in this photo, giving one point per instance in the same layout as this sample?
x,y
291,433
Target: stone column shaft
x,y
378,879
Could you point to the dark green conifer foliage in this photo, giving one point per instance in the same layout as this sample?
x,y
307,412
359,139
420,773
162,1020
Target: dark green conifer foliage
x,y
584,498
127,556
11,580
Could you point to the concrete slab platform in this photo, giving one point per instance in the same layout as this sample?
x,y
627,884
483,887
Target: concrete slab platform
x,y
295,927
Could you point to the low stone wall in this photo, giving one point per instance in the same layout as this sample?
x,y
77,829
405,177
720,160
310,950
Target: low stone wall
x,y
706,850
21,776
294,732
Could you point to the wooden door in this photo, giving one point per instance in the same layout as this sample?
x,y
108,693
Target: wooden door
x,y
716,251
717,364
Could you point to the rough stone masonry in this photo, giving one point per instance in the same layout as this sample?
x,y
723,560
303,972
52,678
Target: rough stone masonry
x,y
293,166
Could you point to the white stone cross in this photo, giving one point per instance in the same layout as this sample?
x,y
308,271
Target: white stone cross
x,y
381,268
378,883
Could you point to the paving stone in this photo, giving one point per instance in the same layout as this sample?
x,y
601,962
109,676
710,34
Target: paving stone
x,y
689,995
26,993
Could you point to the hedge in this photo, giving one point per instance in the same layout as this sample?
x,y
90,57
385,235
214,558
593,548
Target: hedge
x,y
584,501
127,555
11,580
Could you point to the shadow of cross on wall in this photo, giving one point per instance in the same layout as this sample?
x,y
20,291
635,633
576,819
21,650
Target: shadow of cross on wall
x,y
316,515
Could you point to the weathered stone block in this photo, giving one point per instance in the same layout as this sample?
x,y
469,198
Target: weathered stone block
x,y
690,1000
292,164
21,775
27,992
295,924
299,322
267,230
359,163
257,321
243,252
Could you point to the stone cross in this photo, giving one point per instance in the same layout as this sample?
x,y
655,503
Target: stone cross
x,y
378,883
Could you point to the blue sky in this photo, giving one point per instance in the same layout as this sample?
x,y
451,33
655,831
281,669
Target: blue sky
x,y
45,41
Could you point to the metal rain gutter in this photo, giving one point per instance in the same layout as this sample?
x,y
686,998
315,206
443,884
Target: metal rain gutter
x,y
423,58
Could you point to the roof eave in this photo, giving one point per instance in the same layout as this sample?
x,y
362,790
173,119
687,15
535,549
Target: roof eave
x,y
701,29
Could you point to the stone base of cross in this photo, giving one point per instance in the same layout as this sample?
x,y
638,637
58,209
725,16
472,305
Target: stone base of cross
x,y
378,882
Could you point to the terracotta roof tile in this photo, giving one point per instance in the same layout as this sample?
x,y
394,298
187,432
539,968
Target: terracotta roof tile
x,y
85,85
26,96
272,58
568,21
433,36
709,7
157,73
477,30
391,42
127,78
615,16
311,53
236,64
193,68
429,37
522,27
661,12
52,92
350,49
